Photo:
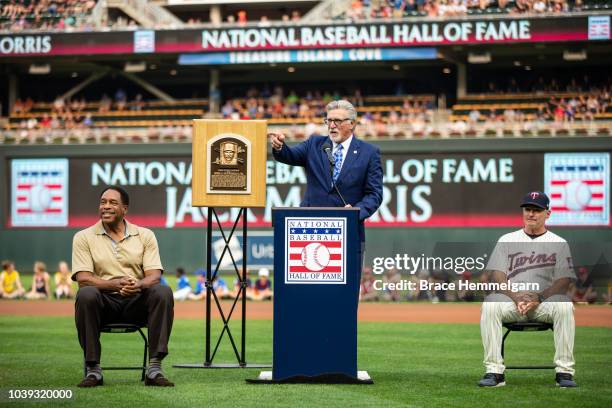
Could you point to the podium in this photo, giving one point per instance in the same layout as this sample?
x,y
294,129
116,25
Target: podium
x,y
317,269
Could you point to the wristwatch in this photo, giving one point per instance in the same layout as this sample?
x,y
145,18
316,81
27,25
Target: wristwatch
x,y
540,297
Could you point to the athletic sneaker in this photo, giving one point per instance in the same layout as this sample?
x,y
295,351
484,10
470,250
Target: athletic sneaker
x,y
565,380
492,380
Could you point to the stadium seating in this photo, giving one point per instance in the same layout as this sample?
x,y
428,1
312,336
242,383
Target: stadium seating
x,y
495,114
527,103
28,14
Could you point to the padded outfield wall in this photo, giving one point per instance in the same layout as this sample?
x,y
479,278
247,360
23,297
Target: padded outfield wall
x,y
436,192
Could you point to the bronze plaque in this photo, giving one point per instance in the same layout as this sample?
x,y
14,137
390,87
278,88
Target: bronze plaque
x,y
229,165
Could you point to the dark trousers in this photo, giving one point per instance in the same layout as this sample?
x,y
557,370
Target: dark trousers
x,y
153,306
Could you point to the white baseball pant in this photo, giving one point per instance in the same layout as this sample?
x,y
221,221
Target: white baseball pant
x,y
499,308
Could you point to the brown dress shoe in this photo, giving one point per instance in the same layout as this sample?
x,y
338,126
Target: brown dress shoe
x,y
158,381
90,381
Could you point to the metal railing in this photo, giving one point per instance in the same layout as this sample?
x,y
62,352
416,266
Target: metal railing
x,y
447,130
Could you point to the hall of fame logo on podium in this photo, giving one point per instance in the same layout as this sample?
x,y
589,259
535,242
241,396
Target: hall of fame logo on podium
x,y
316,250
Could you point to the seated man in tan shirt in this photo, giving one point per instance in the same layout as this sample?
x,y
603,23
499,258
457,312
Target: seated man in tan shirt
x,y
118,269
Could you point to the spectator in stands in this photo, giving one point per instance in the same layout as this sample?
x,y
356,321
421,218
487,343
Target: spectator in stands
x,y
105,104
423,275
40,283
394,277
263,286
367,292
120,99
593,107
59,104
88,120
607,297
45,121
467,295
242,17
137,104
18,106
10,283
581,290
264,21
459,127
227,109
356,11
292,98
63,283
183,287
21,15
474,116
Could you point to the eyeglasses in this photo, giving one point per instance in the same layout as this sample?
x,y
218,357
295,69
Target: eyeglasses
x,y
336,122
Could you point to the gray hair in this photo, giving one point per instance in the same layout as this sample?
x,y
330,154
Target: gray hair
x,y
343,104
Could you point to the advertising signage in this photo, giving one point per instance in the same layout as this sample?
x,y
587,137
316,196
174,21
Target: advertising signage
x,y
405,33
420,190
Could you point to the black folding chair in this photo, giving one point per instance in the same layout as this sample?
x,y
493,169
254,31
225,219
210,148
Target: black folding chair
x,y
525,327
127,328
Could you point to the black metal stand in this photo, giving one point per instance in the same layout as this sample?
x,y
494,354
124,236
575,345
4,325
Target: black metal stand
x,y
210,293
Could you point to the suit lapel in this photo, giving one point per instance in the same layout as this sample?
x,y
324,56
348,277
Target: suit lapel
x,y
325,163
350,159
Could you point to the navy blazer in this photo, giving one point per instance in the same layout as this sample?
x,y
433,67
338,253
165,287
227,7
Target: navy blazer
x,y
360,180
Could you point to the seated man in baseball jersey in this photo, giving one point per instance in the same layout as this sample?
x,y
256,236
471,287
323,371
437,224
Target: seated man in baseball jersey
x,y
535,258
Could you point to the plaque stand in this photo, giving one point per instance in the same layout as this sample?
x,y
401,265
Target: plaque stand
x,y
210,292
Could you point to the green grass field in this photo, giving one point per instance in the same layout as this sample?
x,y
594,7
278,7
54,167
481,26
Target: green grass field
x,y
412,365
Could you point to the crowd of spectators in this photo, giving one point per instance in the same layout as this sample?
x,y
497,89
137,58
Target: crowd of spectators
x,y
261,289
576,102
530,85
374,9
241,18
60,286
18,15
11,286
73,113
63,115
374,288
584,102
310,108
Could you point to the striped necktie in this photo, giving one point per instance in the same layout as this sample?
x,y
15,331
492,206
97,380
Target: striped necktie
x,y
337,162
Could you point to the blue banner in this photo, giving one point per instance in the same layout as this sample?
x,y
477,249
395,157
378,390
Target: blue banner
x,y
305,56
260,250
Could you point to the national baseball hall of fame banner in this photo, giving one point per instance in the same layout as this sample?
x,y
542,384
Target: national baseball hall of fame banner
x,y
420,190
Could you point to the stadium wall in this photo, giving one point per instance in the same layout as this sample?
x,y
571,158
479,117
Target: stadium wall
x,y
183,245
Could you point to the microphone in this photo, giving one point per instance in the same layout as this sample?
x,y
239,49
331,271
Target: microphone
x,y
327,148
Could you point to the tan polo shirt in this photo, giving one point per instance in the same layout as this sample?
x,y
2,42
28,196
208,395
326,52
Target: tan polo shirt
x,y
95,251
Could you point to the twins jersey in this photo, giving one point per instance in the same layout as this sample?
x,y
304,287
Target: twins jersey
x,y
540,260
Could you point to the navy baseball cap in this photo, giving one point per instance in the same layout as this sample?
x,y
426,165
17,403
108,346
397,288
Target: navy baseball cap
x,y
536,199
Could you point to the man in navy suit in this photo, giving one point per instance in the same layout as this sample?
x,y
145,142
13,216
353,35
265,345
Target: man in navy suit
x,y
354,165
